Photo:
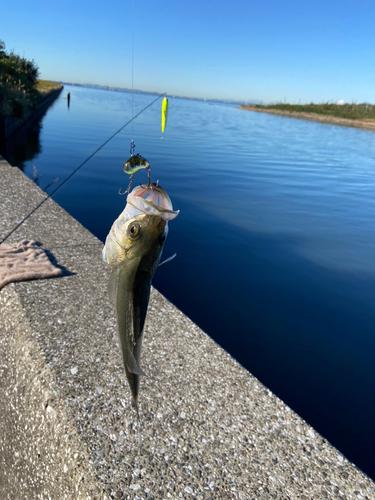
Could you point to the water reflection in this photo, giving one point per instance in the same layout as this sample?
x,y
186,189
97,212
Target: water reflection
x,y
24,145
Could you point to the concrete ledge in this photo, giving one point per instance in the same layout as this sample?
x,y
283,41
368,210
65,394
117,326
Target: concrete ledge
x,y
209,429
41,454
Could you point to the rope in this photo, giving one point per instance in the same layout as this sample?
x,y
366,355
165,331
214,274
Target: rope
x,y
76,170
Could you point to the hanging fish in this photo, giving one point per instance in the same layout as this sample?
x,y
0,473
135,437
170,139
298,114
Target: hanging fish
x,y
135,164
133,248
164,114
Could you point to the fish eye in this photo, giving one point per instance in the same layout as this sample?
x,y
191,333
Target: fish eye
x,y
162,238
134,231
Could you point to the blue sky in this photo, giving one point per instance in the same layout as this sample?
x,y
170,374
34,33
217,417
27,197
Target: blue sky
x,y
266,50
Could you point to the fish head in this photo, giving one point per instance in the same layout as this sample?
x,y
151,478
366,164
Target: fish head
x,y
141,229
144,240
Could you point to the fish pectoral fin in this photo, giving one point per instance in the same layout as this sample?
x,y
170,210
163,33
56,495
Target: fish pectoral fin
x,y
134,368
168,260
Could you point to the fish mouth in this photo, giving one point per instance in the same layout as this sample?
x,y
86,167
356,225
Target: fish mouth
x,y
155,221
150,200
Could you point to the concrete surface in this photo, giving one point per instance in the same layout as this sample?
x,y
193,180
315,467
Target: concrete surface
x,y
208,428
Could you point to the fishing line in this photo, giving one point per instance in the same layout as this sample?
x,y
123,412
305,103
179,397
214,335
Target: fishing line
x,y
76,170
132,65
132,145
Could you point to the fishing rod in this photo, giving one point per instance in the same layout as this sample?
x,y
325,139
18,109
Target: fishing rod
x,y
76,170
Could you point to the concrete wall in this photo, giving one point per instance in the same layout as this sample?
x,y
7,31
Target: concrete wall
x,y
208,428
9,124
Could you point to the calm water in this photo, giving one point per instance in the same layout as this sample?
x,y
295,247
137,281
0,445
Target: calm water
x,y
275,240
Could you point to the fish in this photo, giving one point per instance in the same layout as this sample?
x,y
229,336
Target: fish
x,y
135,164
133,249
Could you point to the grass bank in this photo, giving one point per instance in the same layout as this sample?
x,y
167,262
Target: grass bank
x,y
45,87
352,115
44,94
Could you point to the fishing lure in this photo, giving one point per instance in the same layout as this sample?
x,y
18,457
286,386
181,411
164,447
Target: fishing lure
x,y
135,164
164,114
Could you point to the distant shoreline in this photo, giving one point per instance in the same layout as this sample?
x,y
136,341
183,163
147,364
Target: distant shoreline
x,y
149,92
367,124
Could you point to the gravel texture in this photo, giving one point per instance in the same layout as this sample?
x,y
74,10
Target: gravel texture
x,y
208,428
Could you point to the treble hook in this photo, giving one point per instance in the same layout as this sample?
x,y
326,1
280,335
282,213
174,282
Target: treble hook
x,y
131,179
149,185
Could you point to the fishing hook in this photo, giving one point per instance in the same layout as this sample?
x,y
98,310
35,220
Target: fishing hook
x,y
131,179
149,185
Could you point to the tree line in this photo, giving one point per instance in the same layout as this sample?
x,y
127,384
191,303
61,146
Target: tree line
x,y
18,83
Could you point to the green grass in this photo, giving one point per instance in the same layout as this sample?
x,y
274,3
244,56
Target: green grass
x,y
351,111
20,89
44,86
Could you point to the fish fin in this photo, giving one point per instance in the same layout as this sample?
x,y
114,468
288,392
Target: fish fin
x,y
168,260
141,295
134,368
113,253
112,285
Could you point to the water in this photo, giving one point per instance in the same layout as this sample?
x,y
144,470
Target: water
x,y
275,240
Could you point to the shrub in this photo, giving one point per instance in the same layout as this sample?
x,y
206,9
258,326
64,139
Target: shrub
x,y
18,77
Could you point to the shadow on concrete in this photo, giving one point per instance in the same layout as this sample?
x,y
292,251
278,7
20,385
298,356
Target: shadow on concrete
x,y
54,261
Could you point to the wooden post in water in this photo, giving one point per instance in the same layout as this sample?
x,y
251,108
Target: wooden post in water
x,y
68,98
